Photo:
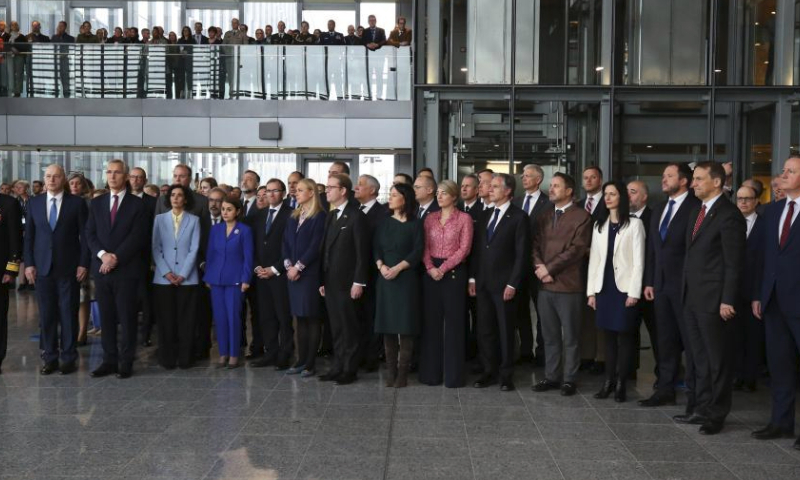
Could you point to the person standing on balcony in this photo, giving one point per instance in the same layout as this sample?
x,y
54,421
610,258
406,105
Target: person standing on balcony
x,y
282,37
232,38
331,37
17,50
374,37
352,38
400,36
61,36
304,37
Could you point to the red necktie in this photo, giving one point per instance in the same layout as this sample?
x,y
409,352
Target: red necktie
x,y
114,209
699,221
787,225
589,202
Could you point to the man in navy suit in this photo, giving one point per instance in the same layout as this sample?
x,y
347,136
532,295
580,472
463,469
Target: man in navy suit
x,y
374,37
116,239
776,301
137,180
56,260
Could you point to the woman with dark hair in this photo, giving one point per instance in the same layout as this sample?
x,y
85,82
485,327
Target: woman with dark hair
x,y
448,241
229,268
614,286
302,239
183,82
207,184
176,241
397,251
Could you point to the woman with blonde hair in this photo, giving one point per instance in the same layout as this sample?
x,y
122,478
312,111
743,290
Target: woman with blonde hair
x,y
302,239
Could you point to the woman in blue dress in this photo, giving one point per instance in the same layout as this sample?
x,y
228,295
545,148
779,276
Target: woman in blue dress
x,y
614,286
302,240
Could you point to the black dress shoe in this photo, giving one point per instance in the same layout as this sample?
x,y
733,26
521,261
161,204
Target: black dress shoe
x,y
657,401
49,368
282,365
690,419
711,428
598,368
484,381
477,369
545,385
329,377
771,432
345,379
606,390
621,392
507,385
737,385
262,362
253,354
67,368
147,343
585,365
104,370
750,386
568,389
125,371
524,360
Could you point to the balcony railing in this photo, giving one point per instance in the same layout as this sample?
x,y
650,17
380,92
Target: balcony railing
x,y
251,72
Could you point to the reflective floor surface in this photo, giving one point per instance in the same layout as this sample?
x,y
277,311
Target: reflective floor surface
x,y
259,424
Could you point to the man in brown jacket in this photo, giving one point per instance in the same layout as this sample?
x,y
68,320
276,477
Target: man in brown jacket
x,y
400,36
560,246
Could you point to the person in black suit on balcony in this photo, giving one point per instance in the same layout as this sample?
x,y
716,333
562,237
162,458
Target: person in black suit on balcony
x,y
500,257
56,261
282,38
374,37
663,273
274,316
116,239
198,38
10,257
712,277
534,202
345,272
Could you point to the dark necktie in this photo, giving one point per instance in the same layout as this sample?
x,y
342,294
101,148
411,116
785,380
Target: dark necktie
x,y
246,204
214,220
114,208
699,221
662,230
466,209
557,216
527,205
362,207
492,224
787,225
421,211
53,214
270,218
589,203
293,203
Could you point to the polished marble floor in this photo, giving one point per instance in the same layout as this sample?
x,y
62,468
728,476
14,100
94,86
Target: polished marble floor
x,y
258,424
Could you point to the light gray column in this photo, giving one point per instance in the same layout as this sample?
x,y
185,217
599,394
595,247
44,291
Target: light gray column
x,y
784,42
781,134
433,46
606,139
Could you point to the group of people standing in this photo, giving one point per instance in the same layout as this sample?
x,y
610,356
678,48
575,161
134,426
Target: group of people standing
x,y
431,271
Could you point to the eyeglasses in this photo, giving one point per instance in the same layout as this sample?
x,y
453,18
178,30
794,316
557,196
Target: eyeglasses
x,y
331,187
745,199
274,191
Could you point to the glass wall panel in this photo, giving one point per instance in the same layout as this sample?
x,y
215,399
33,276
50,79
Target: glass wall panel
x,y
46,12
145,14
260,14
107,18
223,166
380,167
759,41
220,18
93,165
319,19
271,165
385,15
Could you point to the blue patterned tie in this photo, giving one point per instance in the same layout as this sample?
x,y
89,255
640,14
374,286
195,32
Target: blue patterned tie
x,y
662,230
53,214
527,205
492,224
269,219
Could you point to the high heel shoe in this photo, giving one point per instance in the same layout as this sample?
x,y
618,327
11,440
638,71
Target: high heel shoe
x,y
605,391
620,394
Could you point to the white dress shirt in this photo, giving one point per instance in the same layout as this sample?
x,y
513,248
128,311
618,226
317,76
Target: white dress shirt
x,y
424,209
59,199
120,195
471,205
596,199
638,213
711,203
796,201
368,206
751,220
532,202
678,202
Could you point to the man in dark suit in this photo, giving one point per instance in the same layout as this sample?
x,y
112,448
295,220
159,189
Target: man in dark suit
x,y
471,204
282,38
500,253
249,183
56,261
274,317
425,193
137,180
776,302
374,37
182,175
563,236
663,277
711,281
116,242
533,203
638,194
10,257
198,37
345,271
366,194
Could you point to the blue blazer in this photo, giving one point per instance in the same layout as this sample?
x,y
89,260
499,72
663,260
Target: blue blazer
x,y
127,238
229,260
178,256
779,276
56,253
305,245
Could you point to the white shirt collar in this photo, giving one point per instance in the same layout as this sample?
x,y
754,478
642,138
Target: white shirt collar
x,y
680,198
140,194
638,213
470,205
120,195
58,197
276,208
564,208
596,199
368,206
425,207
503,209
711,202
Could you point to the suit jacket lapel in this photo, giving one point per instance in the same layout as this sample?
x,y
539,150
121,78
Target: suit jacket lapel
x,y
711,214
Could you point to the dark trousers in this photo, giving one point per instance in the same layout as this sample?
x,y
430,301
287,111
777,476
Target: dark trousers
x,y
202,333
308,333
343,321
3,321
58,300
176,324
63,74
783,338
274,318
145,298
647,316
669,319
442,352
749,349
496,321
251,301
471,323
619,354
710,339
524,325
117,310
370,343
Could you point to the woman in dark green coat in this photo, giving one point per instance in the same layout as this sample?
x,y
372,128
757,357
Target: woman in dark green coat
x,y
399,244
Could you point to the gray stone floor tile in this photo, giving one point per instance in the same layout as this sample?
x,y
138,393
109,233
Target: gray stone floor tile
x,y
531,469
359,411
325,444
643,416
266,445
526,430
553,399
575,431
611,450
317,467
602,470
658,433
565,415
766,472
281,426
428,428
429,468
180,443
248,466
688,471
680,452
428,412
427,396
757,453
433,447
177,466
496,414
370,427
490,398
290,411
277,397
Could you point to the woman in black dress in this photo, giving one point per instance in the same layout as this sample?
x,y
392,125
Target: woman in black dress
x,y
614,286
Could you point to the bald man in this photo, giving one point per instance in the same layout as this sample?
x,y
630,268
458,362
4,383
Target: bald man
x,y
57,260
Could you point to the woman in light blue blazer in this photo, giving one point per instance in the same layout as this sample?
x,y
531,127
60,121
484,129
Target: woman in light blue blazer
x,y
229,268
176,241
